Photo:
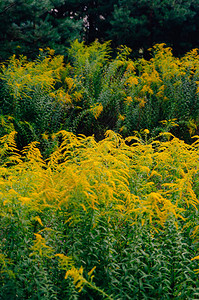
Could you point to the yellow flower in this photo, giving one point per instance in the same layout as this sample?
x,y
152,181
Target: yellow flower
x,y
160,92
45,136
52,95
132,80
91,271
67,98
130,66
141,101
196,257
122,128
128,100
69,82
97,110
51,52
122,118
146,89
77,276
192,126
146,131
77,96
197,91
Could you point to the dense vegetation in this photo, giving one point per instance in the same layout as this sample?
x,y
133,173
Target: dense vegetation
x,y
116,219
99,150
26,25
92,92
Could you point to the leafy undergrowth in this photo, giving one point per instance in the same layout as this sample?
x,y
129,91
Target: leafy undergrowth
x,y
115,219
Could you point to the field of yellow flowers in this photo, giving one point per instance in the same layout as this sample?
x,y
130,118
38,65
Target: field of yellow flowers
x,y
92,90
113,219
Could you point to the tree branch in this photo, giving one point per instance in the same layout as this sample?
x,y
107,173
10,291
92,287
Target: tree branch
x,y
8,7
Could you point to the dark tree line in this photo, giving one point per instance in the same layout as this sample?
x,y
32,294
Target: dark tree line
x,y
26,25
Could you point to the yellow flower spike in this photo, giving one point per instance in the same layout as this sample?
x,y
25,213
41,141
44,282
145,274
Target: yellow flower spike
x,y
40,248
64,261
146,89
77,96
142,102
91,271
70,83
37,218
97,110
197,257
122,118
122,128
130,66
78,279
128,100
132,81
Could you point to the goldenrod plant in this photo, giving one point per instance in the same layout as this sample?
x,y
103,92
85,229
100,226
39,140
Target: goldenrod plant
x,y
98,197
92,90
114,219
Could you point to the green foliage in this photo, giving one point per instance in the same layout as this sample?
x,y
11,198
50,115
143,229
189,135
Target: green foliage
x,y
140,24
29,25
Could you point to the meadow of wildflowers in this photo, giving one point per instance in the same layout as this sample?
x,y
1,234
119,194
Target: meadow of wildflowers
x,y
99,171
